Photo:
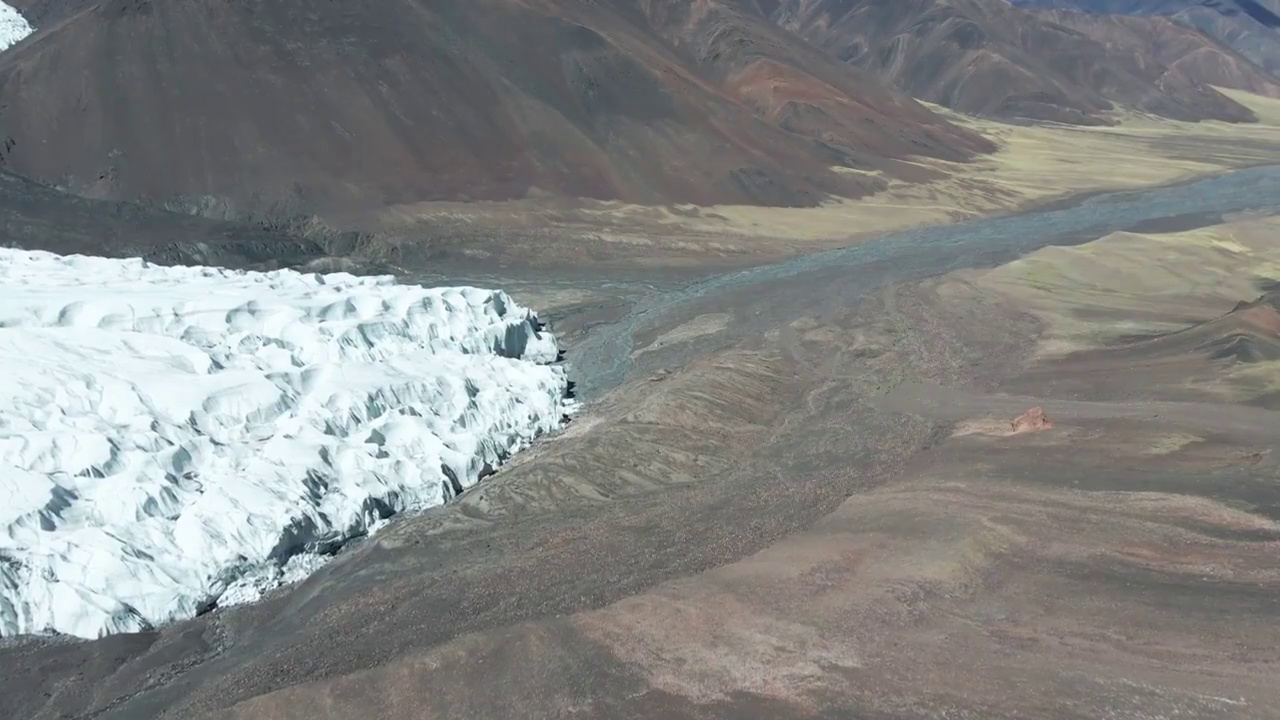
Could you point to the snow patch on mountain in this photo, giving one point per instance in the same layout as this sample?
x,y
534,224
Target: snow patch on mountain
x,y
172,438
13,27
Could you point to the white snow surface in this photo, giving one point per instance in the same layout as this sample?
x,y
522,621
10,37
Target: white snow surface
x,y
174,437
13,27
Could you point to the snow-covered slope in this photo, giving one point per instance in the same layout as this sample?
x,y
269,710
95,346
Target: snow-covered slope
x,y
13,27
176,437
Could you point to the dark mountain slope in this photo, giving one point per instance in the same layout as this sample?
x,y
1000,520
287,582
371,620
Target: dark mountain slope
x,y
35,217
312,105
987,57
1250,27
1183,53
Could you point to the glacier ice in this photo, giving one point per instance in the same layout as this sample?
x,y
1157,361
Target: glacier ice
x,y
176,437
13,27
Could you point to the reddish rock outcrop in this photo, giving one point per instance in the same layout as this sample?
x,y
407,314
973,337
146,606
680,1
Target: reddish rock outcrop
x,y
1033,420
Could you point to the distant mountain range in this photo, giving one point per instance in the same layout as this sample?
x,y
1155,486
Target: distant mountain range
x,y
989,58
1252,27
314,106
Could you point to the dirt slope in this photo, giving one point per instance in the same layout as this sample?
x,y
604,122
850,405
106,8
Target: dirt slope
x,y
308,105
1247,26
1248,334
989,58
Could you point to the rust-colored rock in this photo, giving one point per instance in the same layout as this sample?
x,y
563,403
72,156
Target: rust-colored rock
x,y
1033,420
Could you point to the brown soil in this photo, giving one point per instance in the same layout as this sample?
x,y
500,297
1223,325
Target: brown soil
x,y
774,518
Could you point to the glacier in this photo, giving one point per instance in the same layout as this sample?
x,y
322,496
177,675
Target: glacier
x,y
178,438
13,27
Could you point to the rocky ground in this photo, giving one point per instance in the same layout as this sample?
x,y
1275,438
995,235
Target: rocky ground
x,y
835,459
805,499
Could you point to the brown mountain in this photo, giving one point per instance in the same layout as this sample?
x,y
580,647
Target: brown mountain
x,y
990,58
1186,54
1247,26
311,105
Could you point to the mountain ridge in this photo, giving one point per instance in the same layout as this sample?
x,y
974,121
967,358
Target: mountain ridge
x,y
986,57
303,105
1247,26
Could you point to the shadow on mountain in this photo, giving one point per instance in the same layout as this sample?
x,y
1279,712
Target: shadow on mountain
x,y
36,217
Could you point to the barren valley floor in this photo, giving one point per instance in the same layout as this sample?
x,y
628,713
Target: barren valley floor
x,y
888,410
794,492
